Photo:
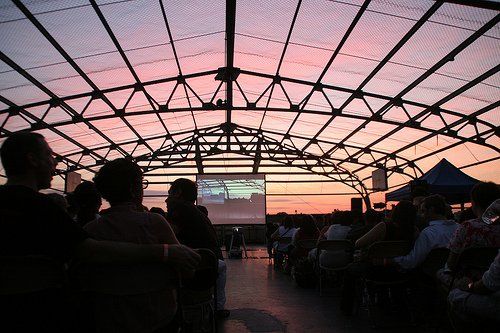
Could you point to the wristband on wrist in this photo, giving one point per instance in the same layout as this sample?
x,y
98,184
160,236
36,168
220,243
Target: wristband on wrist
x,y
165,252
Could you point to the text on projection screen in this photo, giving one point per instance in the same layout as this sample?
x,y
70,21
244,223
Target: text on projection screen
x,y
233,199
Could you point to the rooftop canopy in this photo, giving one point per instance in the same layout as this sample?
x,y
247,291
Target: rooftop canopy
x,y
315,94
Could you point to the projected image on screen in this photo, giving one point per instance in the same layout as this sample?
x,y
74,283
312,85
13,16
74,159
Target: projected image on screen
x,y
233,199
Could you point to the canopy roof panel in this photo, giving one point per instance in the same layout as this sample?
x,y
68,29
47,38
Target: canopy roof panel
x,y
333,89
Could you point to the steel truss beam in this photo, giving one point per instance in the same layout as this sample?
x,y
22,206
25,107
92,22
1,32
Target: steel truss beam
x,y
254,147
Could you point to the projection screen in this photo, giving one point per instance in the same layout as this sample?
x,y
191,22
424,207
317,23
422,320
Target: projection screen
x,y
233,199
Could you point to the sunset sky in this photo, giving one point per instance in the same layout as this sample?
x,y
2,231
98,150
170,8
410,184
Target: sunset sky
x,y
28,58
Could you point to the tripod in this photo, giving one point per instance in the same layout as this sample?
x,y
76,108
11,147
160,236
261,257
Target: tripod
x,y
237,238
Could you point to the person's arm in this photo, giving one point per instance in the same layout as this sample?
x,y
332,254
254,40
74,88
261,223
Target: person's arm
x,y
375,235
93,251
489,283
418,254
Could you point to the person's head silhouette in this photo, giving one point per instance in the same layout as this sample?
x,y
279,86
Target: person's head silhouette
x,y
28,160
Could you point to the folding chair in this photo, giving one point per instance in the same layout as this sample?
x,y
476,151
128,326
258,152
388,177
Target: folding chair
x,y
336,246
381,250
197,296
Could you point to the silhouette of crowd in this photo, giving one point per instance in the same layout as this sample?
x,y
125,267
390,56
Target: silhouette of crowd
x,y
417,258
68,266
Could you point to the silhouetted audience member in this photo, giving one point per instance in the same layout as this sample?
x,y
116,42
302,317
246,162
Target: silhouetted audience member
x,y
194,229
401,227
307,230
72,205
340,227
202,209
270,229
286,229
437,235
475,232
465,215
370,219
33,225
158,210
59,199
88,202
120,183
476,305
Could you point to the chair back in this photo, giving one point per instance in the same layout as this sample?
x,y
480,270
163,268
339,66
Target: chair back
x,y
26,274
121,280
307,244
388,249
477,258
435,260
206,274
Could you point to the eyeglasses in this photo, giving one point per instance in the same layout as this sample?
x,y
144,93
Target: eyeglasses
x,y
145,184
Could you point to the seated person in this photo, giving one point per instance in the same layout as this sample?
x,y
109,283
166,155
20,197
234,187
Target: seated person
x,y
475,232
158,210
476,304
193,228
400,227
88,202
307,231
270,229
59,200
120,183
370,219
44,229
286,229
434,209
341,226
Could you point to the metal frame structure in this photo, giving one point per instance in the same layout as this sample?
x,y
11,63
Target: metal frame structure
x,y
196,151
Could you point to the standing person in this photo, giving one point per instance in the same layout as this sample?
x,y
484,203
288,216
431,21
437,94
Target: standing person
x,y
33,225
120,183
193,228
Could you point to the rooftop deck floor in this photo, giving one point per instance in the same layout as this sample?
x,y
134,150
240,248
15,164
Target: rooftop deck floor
x,y
264,300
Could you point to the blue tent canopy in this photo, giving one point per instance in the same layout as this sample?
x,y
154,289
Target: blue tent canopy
x,y
444,179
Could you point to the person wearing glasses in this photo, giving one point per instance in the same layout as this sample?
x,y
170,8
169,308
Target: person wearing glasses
x,y
32,225
121,183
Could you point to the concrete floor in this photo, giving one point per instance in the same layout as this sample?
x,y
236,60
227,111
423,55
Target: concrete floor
x,y
264,300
